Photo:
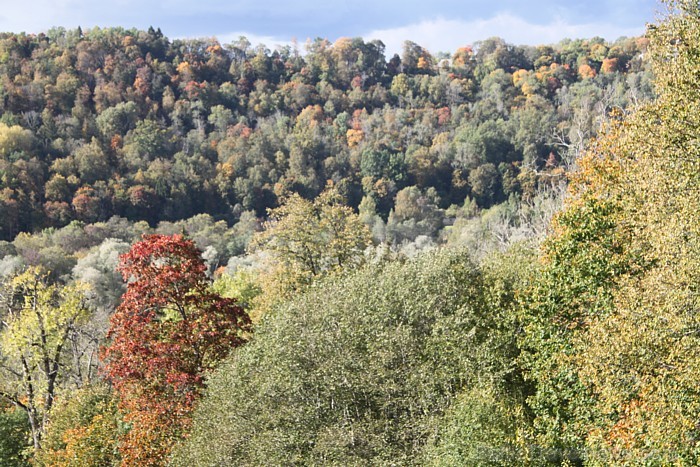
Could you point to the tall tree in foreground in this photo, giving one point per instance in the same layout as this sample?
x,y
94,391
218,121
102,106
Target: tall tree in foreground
x,y
169,329
613,331
37,322
360,369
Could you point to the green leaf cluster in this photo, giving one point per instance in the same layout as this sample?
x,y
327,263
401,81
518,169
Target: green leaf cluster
x,y
361,369
611,328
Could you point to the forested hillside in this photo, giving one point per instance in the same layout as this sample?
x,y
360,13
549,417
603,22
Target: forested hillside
x,y
123,122
218,254
111,133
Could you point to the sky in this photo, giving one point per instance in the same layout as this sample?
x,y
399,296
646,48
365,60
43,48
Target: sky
x,y
438,25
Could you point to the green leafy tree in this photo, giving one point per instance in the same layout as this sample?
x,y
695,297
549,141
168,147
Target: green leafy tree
x,y
84,430
92,163
485,182
610,332
14,436
38,321
14,139
308,240
360,369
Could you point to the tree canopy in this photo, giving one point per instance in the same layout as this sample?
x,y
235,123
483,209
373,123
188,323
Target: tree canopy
x,y
331,258
168,330
611,323
358,370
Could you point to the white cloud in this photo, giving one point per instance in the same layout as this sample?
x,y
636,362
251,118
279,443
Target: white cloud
x,y
438,34
270,42
447,35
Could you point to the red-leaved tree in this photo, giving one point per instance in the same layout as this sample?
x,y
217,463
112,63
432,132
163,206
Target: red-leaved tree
x,y
169,329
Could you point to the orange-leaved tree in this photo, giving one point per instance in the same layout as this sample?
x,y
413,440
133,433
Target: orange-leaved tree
x,y
169,329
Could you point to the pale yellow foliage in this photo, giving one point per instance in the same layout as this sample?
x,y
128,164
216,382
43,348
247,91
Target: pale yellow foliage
x,y
306,240
14,138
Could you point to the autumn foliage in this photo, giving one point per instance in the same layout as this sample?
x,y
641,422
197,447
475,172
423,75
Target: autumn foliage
x,y
167,332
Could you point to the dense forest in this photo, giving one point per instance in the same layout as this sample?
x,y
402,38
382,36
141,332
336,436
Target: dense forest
x,y
113,122
219,254
113,133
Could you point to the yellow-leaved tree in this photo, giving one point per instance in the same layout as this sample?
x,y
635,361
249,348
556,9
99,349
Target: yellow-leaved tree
x,y
613,327
306,240
38,327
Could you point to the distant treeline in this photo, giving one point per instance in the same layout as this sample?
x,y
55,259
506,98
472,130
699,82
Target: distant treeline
x,y
125,122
